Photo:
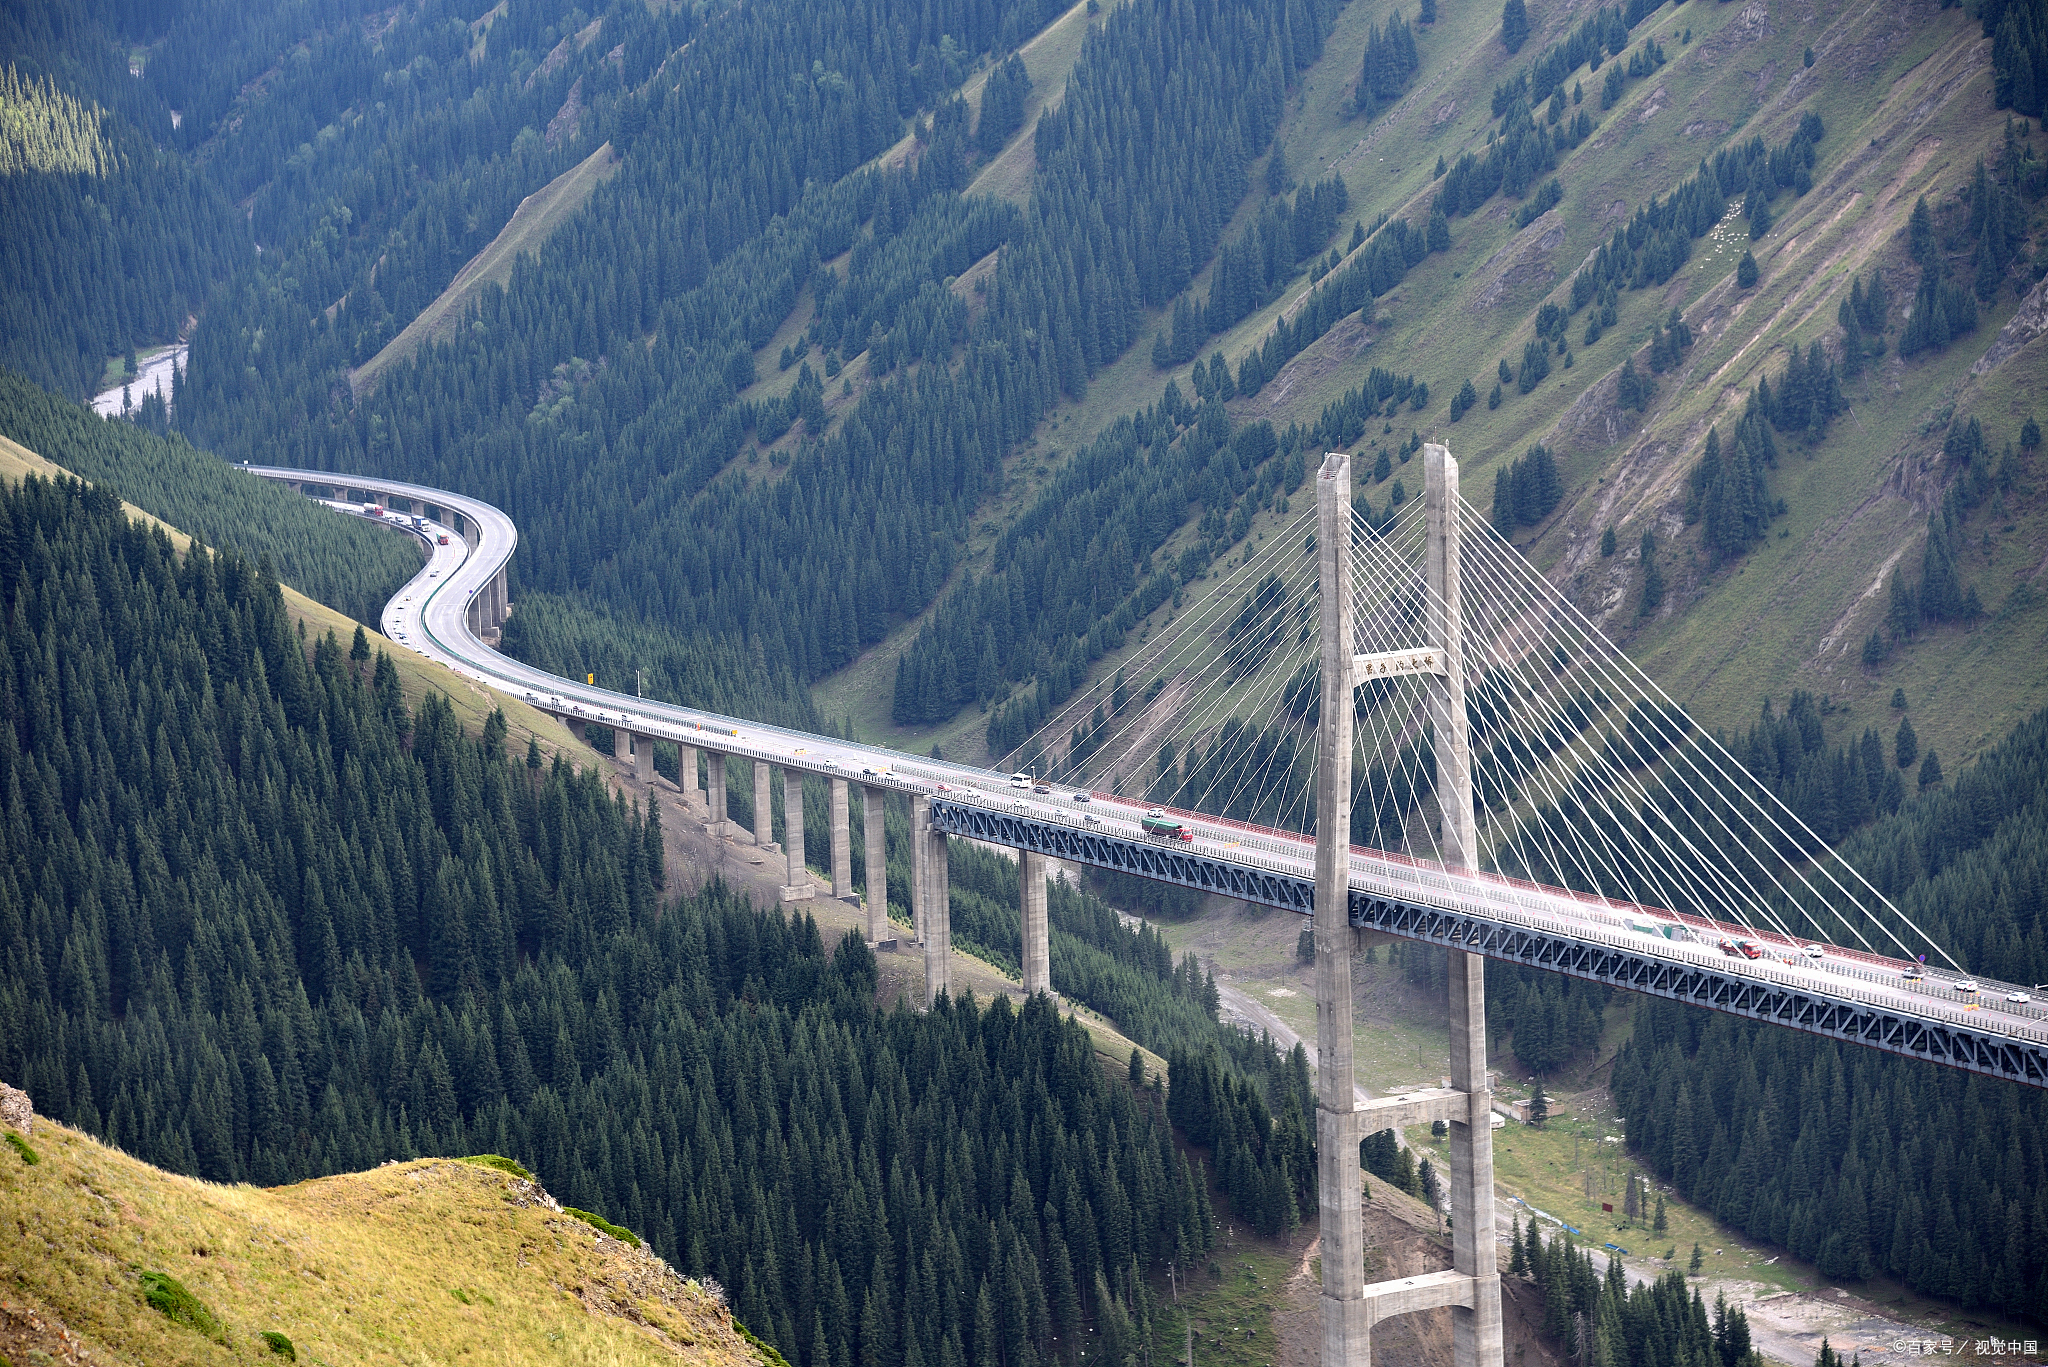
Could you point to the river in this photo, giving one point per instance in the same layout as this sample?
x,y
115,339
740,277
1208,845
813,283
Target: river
x,y
153,377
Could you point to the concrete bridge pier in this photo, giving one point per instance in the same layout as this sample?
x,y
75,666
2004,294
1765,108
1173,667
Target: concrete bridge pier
x,y
1476,1334
764,806
842,844
1347,1324
932,888
575,725
1031,908
714,792
920,875
686,772
643,756
874,803
797,885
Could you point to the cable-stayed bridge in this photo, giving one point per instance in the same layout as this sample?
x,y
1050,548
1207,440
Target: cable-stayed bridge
x,y
1504,784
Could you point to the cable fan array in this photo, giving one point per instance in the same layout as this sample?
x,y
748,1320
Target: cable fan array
x,y
1586,774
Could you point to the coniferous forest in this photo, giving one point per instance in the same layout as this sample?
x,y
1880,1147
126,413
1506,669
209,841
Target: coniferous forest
x,y
1858,1161
263,916
259,920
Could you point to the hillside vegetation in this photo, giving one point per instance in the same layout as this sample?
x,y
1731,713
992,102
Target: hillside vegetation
x,y
428,1258
302,926
1905,96
348,564
1720,91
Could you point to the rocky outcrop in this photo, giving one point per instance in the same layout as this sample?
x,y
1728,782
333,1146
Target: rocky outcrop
x,y
16,1111
2030,322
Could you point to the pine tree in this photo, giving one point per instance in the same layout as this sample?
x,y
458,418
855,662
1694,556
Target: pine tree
x,y
1514,25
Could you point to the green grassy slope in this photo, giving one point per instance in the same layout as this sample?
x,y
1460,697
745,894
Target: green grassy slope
x,y
436,1259
1906,94
1907,100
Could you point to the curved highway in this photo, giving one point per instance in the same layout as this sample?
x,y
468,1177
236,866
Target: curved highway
x,y
431,614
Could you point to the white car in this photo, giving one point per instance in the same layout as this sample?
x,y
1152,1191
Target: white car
x,y
2018,998
1814,952
1966,987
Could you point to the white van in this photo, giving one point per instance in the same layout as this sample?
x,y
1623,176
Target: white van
x,y
1021,781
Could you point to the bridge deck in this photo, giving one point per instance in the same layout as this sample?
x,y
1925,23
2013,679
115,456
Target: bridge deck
x,y
1849,994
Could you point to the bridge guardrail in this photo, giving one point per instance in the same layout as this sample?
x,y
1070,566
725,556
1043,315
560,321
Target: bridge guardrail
x,y
1383,872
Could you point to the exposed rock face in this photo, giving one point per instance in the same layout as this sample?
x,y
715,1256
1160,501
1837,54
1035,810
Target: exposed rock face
x,y
16,1111
2023,327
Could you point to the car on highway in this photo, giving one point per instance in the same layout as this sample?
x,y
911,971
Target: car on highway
x,y
945,787
1020,780
1083,797
1740,949
1814,952
829,762
2018,998
871,772
1092,819
1042,788
1966,987
1914,973
444,538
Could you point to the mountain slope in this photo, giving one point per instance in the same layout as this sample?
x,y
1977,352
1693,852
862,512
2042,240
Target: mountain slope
x,y
435,1257
1905,95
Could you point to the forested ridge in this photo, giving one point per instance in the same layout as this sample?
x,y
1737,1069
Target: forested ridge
x,y
259,920
1856,1160
346,563
598,396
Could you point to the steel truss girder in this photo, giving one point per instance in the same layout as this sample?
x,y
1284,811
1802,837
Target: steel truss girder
x,y
1979,1051
1160,861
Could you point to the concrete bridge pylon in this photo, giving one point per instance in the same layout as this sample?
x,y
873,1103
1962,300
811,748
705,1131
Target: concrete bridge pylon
x,y
1471,1287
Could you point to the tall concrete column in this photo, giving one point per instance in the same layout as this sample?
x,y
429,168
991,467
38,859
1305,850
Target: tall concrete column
x,y
643,756
1477,1337
874,810
920,870
1347,1318
797,887
842,844
686,771
1476,1334
938,914
764,806
714,791
1031,903
1447,690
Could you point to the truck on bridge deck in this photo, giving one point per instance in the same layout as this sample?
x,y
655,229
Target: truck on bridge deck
x,y
1158,823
